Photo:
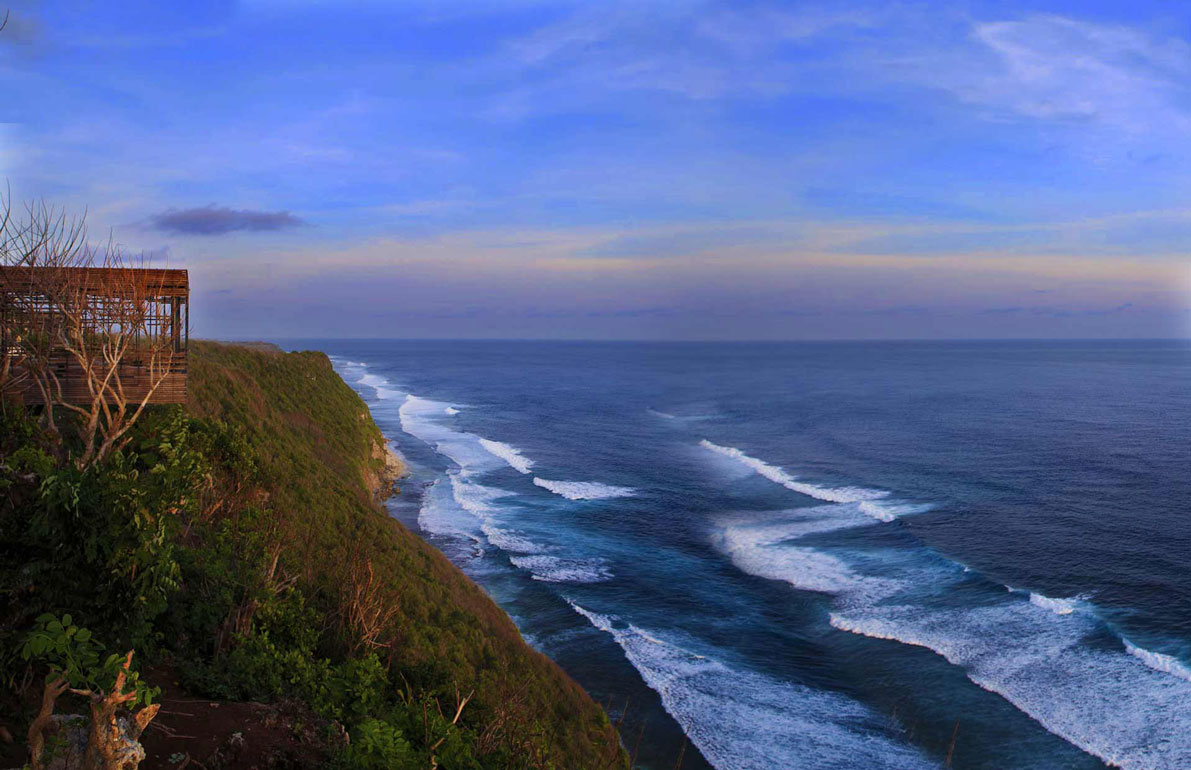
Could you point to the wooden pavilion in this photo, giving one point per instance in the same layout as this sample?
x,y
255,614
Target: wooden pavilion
x,y
144,312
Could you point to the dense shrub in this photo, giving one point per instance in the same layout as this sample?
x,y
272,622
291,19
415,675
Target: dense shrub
x,y
226,540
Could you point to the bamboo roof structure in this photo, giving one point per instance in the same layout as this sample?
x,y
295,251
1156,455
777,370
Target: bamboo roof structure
x,y
150,281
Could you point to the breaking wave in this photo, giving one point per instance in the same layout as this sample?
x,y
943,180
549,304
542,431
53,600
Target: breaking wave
x,y
584,490
1105,702
384,389
779,476
556,569
741,720
509,454
422,419
441,514
1035,651
762,547
1057,606
1158,661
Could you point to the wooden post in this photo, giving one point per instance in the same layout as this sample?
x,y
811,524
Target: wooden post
x,y
176,323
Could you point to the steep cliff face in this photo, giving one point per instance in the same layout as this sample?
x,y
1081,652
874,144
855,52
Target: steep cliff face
x,y
322,465
380,481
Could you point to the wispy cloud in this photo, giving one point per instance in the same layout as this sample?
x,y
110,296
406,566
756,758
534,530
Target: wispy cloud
x,y
1052,311
894,164
692,51
217,220
1055,68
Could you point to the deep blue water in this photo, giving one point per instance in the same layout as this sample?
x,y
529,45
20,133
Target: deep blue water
x,y
823,555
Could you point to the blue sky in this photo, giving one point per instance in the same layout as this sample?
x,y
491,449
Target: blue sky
x,y
624,170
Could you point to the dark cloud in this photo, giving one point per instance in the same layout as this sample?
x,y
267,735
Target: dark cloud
x,y
217,220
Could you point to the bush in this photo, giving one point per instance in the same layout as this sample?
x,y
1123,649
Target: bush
x,y
377,745
73,653
229,539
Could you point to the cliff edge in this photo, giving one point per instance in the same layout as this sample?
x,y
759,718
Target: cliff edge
x,y
239,546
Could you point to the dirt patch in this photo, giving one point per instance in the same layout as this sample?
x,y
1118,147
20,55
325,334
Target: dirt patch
x,y
224,735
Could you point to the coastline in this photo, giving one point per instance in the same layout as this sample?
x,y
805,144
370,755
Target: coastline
x,y
450,511
694,561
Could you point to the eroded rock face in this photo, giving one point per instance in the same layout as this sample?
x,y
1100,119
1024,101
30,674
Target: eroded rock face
x,y
66,743
382,484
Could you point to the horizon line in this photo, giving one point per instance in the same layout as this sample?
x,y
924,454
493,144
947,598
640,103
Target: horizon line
x,y
743,340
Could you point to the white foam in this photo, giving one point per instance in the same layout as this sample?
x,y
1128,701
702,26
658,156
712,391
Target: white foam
x,y
584,490
381,387
804,568
509,540
1057,606
741,720
884,510
480,509
456,506
556,569
509,454
767,548
441,514
1127,707
422,418
476,499
1158,661
1105,702
372,380
384,389
779,476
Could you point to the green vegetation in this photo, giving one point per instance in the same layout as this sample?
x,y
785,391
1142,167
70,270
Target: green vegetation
x,y
238,543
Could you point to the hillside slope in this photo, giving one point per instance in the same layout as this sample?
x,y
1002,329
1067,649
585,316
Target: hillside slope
x,y
319,445
242,551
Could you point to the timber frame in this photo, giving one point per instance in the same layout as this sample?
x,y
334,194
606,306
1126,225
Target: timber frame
x,y
150,305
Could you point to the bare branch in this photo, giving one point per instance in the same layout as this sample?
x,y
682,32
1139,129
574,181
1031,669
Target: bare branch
x,y
93,328
54,688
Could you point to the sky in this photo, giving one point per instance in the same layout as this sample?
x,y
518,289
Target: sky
x,y
636,170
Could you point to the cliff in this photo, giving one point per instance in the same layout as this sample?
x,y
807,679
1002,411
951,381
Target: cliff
x,y
243,552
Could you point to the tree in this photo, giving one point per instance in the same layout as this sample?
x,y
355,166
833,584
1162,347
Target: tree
x,y
35,253
72,655
88,325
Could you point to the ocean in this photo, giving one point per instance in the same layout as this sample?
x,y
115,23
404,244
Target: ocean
x,y
822,555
